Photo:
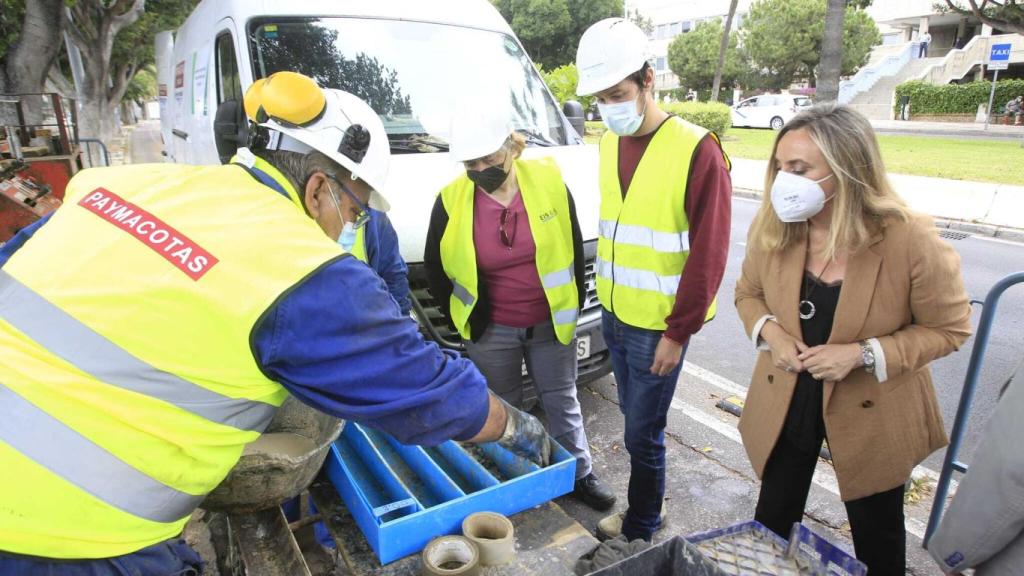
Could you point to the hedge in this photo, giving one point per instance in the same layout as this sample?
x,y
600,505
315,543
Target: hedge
x,y
711,115
956,98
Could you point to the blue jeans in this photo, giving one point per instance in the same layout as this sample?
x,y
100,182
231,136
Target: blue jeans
x,y
644,400
168,558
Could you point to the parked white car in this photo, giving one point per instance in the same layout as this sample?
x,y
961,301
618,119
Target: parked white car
x,y
767,110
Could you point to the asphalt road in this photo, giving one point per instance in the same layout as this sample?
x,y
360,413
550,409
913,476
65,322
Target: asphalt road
x,y
722,348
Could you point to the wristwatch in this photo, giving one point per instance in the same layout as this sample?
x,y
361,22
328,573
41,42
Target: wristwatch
x,y
867,356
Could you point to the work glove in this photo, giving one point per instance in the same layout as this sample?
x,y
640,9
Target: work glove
x,y
525,436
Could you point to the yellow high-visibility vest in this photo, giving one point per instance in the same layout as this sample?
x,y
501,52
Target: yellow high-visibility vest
x,y
128,385
643,241
359,248
547,208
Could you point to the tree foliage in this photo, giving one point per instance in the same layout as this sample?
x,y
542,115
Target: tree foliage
x,y
782,40
361,75
693,56
562,82
12,12
1005,15
641,21
550,30
142,87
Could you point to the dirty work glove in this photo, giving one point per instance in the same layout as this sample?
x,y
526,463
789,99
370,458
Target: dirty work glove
x,y
525,436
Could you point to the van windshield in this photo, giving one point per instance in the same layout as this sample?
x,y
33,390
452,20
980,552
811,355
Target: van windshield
x,y
416,75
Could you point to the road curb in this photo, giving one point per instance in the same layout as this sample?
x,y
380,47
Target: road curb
x,y
974,228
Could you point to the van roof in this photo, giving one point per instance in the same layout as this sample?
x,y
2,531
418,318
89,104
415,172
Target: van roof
x,y
468,13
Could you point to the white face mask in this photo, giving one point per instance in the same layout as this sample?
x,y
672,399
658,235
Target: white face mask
x,y
622,117
796,198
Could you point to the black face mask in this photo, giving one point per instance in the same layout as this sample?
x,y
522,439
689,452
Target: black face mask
x,y
489,179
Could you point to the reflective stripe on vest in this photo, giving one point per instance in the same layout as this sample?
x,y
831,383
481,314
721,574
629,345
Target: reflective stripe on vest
x,y
80,346
636,278
643,239
128,386
547,208
643,236
87,465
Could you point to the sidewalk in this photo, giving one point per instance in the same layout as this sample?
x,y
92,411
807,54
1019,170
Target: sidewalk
x,y
981,208
963,129
709,482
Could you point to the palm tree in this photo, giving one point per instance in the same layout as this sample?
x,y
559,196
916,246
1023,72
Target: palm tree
x,y
723,47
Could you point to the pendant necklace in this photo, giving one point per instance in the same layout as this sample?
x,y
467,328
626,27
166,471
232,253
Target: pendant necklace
x,y
807,308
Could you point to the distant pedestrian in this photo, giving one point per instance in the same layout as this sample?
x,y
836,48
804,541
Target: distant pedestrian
x,y
848,296
1015,108
925,40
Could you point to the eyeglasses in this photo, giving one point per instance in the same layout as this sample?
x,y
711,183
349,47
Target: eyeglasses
x,y
364,211
506,227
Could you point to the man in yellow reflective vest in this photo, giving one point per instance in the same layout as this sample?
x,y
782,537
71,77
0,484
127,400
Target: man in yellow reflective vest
x,y
663,240
149,333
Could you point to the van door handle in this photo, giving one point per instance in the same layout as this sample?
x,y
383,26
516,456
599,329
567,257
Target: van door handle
x,y
180,134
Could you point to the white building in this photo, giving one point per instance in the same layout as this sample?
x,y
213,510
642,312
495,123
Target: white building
x,y
899,21
674,17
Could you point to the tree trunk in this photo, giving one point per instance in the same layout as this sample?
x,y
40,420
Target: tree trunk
x,y
93,30
723,48
831,52
28,60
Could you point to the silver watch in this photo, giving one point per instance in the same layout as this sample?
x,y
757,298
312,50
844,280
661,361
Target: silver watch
x,y
867,356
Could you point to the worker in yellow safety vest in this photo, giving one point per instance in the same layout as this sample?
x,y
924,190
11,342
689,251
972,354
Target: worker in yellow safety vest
x,y
504,257
663,240
153,324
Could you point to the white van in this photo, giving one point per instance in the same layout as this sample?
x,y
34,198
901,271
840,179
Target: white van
x,y
413,62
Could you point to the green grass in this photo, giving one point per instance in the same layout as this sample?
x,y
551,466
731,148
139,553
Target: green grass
x,y
998,161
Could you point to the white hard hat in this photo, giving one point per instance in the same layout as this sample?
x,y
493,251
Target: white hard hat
x,y
477,132
345,129
609,51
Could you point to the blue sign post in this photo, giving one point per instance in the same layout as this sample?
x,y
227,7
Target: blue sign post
x,y
998,59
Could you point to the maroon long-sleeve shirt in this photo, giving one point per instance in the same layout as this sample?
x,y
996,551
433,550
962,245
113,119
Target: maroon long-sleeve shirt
x,y
709,210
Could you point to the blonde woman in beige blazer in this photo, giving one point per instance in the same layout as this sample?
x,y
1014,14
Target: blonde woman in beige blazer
x,y
848,296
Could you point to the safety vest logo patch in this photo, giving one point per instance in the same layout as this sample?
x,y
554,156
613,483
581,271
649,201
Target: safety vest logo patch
x,y
160,237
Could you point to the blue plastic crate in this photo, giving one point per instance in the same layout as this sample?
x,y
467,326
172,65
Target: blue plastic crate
x,y
750,546
404,496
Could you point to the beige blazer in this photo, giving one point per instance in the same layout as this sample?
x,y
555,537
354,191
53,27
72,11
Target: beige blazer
x,y
905,289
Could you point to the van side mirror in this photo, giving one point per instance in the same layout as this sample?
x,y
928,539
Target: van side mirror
x,y
230,129
573,110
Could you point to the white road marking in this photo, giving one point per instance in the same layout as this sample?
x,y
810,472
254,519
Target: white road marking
x,y
720,382
746,199
997,240
824,476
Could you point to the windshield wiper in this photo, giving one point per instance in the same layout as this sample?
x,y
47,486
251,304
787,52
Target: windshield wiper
x,y
536,138
418,143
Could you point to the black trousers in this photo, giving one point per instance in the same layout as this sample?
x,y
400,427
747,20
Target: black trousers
x,y
879,537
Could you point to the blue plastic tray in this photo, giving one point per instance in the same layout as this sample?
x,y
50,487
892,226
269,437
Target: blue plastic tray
x,y
404,496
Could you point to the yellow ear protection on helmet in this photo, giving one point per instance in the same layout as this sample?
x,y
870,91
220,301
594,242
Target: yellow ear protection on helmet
x,y
290,99
294,100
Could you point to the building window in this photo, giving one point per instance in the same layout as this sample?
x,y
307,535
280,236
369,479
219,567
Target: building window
x,y
737,21
687,25
674,28
660,64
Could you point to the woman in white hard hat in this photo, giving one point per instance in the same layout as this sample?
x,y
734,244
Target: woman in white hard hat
x,y
504,258
661,252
